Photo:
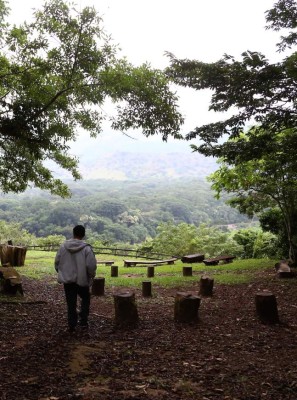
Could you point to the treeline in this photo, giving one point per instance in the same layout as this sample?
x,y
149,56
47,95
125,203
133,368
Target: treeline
x,y
126,212
171,240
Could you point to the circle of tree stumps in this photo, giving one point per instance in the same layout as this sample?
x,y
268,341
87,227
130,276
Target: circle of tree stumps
x,y
126,314
206,286
114,271
146,288
187,271
266,308
186,306
98,287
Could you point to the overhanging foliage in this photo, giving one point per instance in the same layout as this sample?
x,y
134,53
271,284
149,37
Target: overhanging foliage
x,y
55,74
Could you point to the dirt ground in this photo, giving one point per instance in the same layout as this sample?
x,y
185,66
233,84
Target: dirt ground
x,y
228,354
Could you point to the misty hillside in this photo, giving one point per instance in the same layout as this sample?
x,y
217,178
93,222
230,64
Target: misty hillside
x,y
126,166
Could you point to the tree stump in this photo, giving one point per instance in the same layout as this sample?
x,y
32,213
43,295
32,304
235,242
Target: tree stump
x,y
98,287
285,274
266,307
186,307
14,255
146,288
114,271
206,286
187,271
150,271
126,313
10,281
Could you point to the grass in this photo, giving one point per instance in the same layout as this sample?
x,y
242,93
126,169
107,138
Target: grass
x,y
40,265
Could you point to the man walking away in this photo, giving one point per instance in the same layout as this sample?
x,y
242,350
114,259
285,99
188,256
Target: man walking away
x,y
76,265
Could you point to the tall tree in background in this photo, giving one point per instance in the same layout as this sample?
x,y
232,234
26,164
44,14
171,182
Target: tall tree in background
x,y
55,74
268,183
263,94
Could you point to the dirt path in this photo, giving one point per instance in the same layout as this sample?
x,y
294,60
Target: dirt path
x,y
227,355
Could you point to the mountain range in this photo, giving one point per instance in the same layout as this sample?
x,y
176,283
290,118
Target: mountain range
x,y
134,166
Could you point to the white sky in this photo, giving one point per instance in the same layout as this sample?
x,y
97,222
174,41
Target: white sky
x,y
197,29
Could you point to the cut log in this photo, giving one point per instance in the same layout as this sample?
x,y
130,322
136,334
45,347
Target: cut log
x,y
187,271
98,287
126,313
186,307
192,258
114,271
286,274
14,255
150,271
146,288
10,281
266,307
206,286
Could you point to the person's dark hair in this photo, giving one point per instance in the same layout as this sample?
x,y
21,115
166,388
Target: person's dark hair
x,y
79,231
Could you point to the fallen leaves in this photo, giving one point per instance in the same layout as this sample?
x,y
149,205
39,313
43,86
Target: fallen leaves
x,y
228,355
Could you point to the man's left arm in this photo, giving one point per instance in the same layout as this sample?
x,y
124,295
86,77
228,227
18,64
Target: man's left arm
x,y
91,263
57,260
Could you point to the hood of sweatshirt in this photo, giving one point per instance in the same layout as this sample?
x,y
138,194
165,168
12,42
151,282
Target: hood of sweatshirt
x,y
74,245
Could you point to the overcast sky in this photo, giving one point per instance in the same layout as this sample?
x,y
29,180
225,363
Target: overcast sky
x,y
197,29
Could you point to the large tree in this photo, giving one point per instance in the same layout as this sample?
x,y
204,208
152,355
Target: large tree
x,y
259,91
268,183
55,74
260,94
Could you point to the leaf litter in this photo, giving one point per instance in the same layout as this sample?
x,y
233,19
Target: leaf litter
x,y
227,355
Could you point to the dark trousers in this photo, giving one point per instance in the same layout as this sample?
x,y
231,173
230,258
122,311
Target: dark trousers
x,y
72,290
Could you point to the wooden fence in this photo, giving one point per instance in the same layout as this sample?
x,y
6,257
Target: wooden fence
x,y
112,251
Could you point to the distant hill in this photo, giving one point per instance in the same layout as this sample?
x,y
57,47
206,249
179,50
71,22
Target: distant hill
x,y
127,166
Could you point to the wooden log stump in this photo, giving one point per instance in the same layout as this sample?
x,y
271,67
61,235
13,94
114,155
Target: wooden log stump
x,y
10,282
126,313
146,288
186,307
266,307
187,271
98,287
285,274
192,258
114,271
206,286
151,271
14,255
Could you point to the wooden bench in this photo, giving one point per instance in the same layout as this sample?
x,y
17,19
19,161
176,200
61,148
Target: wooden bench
x,y
106,262
216,260
192,258
133,263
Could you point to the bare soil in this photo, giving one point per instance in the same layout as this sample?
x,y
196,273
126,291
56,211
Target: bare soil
x,y
228,354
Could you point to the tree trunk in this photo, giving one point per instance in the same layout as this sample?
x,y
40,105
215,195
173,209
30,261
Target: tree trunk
x,y
187,271
146,288
206,286
266,307
186,307
150,271
125,309
291,228
114,271
98,287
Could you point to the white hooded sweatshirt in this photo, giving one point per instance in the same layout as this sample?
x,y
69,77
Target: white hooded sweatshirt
x,y
75,262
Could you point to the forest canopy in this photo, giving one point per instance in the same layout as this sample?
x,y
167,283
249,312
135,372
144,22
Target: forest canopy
x,y
113,212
